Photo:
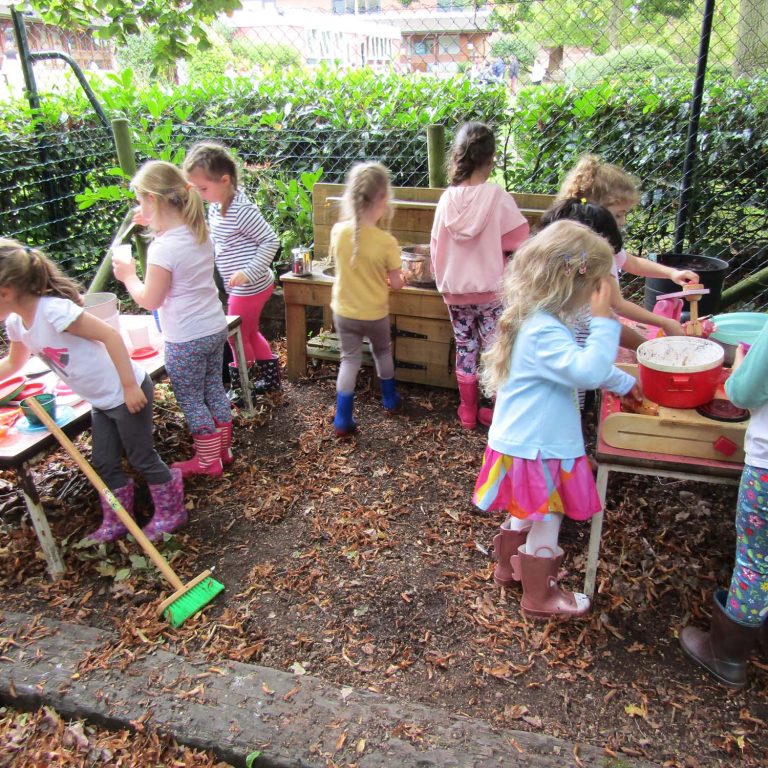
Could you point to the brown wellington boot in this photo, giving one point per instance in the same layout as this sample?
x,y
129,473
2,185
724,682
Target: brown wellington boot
x,y
505,545
542,595
724,649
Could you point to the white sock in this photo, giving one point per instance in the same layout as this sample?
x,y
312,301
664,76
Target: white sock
x,y
544,534
513,523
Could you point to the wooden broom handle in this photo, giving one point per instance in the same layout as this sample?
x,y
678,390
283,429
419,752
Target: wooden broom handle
x,y
100,486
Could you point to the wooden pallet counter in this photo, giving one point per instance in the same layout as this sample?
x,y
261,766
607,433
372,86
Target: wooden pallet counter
x,y
422,338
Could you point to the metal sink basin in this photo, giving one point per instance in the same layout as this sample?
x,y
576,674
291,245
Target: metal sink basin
x,y
330,271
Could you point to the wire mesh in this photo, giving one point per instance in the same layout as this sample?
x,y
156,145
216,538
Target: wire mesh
x,y
613,77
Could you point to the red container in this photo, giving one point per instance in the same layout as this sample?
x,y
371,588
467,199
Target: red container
x,y
680,371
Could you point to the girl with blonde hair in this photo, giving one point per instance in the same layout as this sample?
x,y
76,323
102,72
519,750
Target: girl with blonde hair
x,y
535,468
367,260
179,284
593,181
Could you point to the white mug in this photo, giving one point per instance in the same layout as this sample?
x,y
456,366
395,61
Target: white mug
x,y
139,336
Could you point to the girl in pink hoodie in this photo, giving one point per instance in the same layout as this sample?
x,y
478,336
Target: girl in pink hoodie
x,y
476,222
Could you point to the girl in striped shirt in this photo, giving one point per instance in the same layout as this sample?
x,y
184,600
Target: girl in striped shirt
x,y
245,246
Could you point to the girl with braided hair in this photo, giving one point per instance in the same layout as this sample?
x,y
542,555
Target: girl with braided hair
x,y
476,223
367,257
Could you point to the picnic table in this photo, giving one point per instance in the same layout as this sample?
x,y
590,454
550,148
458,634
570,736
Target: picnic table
x,y
19,451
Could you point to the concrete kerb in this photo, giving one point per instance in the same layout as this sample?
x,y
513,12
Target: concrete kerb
x,y
235,708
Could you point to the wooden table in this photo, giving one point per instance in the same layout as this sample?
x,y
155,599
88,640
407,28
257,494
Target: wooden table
x,y
24,448
610,459
423,345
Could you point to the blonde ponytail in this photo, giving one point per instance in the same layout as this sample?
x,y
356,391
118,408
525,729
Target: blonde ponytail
x,y
366,184
167,184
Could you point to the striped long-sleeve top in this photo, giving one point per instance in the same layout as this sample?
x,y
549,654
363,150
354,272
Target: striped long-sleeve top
x,y
243,241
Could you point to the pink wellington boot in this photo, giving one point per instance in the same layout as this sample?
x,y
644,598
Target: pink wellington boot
x,y
505,544
170,512
542,595
225,428
468,395
207,458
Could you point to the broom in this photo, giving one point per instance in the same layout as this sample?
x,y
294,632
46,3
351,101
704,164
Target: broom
x,y
187,599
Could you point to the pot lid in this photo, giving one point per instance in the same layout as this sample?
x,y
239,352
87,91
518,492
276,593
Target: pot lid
x,y
676,354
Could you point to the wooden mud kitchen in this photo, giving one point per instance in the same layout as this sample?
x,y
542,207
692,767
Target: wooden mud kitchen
x,y
422,338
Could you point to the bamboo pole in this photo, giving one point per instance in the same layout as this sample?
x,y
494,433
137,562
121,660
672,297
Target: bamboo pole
x,y
745,289
436,155
126,157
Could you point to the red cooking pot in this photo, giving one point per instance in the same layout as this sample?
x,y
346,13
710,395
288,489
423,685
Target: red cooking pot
x,y
680,371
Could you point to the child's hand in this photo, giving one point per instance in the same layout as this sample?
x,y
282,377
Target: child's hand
x,y
601,299
673,328
636,393
683,276
135,399
123,269
239,278
138,218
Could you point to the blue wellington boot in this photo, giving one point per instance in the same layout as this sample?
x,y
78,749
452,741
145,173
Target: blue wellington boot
x,y
343,423
390,397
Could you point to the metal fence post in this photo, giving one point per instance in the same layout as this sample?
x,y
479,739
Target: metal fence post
x,y
56,227
684,201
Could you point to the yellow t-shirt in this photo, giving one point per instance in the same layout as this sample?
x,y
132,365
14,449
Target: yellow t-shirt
x,y
360,291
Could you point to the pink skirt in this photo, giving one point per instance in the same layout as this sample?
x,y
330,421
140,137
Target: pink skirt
x,y
532,488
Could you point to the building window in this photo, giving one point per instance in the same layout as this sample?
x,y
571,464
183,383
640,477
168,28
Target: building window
x,y
363,6
421,46
449,44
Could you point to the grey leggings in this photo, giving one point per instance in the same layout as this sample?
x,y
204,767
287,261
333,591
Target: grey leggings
x,y
351,333
117,430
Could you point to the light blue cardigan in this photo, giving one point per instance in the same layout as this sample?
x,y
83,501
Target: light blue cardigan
x,y
537,409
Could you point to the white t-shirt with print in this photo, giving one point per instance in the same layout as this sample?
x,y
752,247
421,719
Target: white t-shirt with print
x,y
191,309
84,364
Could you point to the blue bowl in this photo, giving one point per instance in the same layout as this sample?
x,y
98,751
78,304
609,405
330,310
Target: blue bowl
x,y
738,327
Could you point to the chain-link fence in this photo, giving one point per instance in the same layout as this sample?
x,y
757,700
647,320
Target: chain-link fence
x,y
556,78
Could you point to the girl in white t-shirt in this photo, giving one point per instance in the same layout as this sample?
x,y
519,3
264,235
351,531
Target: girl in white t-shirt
x,y
179,284
44,316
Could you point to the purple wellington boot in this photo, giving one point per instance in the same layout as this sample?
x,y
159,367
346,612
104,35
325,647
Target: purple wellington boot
x,y
112,528
170,512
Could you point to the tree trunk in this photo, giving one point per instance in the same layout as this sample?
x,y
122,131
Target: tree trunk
x,y
752,37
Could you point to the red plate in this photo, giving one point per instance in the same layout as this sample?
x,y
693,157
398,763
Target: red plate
x,y
30,390
11,387
143,352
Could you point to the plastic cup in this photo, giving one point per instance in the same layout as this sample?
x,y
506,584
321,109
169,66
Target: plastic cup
x,y
48,402
139,337
122,253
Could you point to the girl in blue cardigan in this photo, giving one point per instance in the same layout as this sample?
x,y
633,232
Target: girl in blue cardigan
x,y
535,468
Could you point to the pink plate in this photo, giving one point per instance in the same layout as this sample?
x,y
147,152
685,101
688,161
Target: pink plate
x,y
143,352
11,387
30,390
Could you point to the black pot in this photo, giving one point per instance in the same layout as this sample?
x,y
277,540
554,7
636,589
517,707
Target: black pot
x,y
711,272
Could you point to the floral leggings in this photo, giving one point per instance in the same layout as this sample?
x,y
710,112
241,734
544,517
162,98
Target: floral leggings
x,y
473,327
748,594
195,370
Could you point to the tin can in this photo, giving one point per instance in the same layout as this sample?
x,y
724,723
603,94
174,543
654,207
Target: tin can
x,y
302,261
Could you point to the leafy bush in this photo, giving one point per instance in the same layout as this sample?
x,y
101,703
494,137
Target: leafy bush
x,y
263,54
285,127
634,59
643,127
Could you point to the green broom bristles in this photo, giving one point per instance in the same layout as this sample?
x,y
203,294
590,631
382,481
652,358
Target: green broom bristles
x,y
191,602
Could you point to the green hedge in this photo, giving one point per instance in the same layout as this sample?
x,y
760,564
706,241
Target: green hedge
x,y
285,127
643,127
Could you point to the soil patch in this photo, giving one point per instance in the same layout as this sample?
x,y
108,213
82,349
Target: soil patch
x,y
363,562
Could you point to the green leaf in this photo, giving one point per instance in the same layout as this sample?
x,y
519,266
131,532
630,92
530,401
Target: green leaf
x,y
251,758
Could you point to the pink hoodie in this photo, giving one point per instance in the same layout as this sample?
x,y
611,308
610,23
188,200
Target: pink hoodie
x,y
473,227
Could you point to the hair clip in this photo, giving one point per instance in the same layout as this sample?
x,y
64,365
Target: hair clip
x,y
568,266
583,263
583,200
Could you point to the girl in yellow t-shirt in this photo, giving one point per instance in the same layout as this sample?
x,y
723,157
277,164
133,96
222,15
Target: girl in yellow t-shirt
x,y
366,257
